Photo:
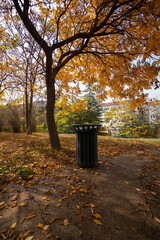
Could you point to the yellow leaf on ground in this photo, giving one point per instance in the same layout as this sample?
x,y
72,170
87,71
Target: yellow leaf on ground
x,y
92,211
133,229
31,216
58,205
4,190
2,203
21,204
29,238
44,198
45,227
60,200
64,197
96,215
157,219
40,225
65,222
92,205
53,219
26,234
97,222
13,225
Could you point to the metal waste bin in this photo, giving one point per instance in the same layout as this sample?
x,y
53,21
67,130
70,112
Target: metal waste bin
x,y
86,144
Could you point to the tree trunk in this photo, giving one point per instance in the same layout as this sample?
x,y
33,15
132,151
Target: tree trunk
x,y
29,127
50,83
26,95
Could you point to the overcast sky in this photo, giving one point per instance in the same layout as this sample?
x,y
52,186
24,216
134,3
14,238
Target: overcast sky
x,y
153,93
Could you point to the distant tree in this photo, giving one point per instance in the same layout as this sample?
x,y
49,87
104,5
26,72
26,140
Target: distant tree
x,y
80,110
2,119
93,111
14,118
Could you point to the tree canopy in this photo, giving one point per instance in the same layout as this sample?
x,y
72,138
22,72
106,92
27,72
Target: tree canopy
x,y
98,39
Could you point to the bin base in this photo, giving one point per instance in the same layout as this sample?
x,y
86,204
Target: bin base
x,y
86,165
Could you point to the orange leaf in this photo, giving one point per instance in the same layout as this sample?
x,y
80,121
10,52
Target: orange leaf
x,y
96,215
97,222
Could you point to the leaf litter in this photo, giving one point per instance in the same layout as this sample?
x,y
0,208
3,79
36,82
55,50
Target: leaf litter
x,y
74,182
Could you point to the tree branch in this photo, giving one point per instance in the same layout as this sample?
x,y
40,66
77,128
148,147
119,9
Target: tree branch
x,y
29,25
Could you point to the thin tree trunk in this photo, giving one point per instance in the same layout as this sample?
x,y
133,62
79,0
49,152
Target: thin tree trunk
x,y
29,128
50,82
26,95
26,105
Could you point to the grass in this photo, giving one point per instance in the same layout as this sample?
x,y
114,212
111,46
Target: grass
x,y
22,156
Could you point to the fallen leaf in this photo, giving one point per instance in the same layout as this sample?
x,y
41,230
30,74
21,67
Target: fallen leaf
x,y
44,198
53,219
45,227
126,182
58,205
92,205
96,215
64,197
47,213
133,229
92,211
31,216
13,225
46,205
98,222
4,190
153,193
2,203
21,204
26,234
40,225
60,200
65,222
29,238
157,219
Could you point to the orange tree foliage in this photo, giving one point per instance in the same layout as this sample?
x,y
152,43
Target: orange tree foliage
x,y
98,38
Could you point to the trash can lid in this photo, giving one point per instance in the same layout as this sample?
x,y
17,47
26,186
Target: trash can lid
x,y
86,127
77,125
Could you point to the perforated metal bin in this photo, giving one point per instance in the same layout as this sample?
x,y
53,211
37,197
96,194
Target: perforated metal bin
x,y
86,144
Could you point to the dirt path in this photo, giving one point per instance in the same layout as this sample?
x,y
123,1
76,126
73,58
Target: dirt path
x,y
120,199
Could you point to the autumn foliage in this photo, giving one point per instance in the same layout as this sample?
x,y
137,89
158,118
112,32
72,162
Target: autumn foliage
x,y
98,40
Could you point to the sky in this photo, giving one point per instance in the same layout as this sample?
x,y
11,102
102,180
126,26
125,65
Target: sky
x,y
153,93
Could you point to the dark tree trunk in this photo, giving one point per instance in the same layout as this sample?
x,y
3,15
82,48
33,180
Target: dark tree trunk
x,y
26,105
29,127
50,83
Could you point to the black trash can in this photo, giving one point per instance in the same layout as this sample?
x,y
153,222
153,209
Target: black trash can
x,y
86,144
